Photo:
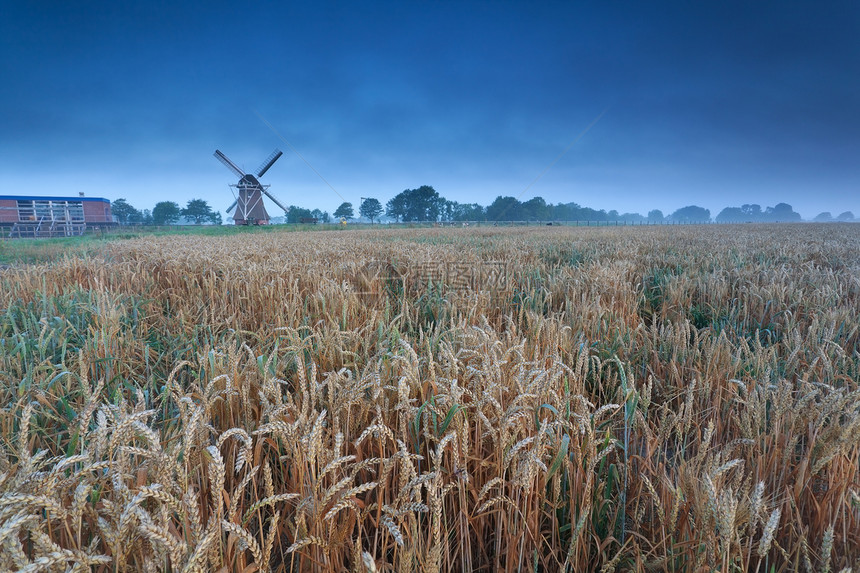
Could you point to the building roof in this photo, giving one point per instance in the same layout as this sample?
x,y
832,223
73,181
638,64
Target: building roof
x,y
42,198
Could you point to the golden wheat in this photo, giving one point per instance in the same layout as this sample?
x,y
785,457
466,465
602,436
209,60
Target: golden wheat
x,y
614,399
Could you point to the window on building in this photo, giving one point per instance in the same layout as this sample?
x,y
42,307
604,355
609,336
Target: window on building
x,y
73,211
46,210
26,211
43,210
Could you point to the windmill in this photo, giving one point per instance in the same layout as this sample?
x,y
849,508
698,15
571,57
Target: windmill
x,y
249,203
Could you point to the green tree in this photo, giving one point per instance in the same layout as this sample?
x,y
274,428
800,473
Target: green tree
x,y
535,209
467,212
781,212
344,211
565,212
691,214
200,212
370,208
166,213
426,204
138,217
396,207
752,211
446,210
296,214
320,216
730,215
125,213
655,216
505,209
422,204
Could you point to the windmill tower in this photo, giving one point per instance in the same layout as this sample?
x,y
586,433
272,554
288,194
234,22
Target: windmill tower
x,y
249,201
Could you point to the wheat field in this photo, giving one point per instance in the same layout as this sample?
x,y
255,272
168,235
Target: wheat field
x,y
518,399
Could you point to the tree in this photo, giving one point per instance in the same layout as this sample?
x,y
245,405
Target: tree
x,y
535,209
396,207
845,216
370,208
422,204
824,217
655,216
320,216
467,212
296,214
504,209
752,212
166,213
446,210
344,211
731,215
781,212
199,211
565,212
691,214
138,217
425,204
125,213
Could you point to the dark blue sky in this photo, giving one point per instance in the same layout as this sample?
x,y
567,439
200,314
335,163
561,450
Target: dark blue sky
x,y
717,104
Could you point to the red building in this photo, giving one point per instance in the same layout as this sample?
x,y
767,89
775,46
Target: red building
x,y
22,215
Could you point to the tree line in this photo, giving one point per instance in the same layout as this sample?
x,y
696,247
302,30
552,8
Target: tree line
x,y
425,204
196,211
780,212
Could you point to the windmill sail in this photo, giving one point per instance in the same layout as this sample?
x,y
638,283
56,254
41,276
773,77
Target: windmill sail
x,y
230,165
270,160
275,201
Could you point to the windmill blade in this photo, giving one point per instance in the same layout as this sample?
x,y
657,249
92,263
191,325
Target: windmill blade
x,y
230,165
275,201
270,160
232,205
